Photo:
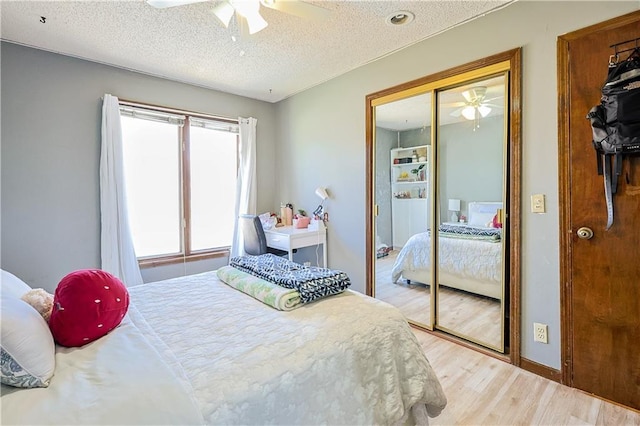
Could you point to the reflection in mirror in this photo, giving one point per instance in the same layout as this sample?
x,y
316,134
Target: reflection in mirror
x,y
443,200
402,173
470,201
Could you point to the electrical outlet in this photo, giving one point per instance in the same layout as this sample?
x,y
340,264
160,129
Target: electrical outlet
x,y
540,332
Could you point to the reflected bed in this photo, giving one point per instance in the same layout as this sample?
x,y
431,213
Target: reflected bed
x,y
470,256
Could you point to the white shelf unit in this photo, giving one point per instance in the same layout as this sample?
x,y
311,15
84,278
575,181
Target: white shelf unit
x,y
409,191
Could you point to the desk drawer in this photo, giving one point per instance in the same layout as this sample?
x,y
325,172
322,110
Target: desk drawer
x,y
306,240
277,241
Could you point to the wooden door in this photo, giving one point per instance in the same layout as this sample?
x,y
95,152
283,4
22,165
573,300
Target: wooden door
x,y
601,275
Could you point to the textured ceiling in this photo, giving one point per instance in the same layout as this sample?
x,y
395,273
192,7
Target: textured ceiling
x,y
188,44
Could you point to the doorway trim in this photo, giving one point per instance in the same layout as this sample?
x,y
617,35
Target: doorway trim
x,y
564,166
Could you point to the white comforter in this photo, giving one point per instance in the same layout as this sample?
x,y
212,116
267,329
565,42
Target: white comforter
x,y
475,259
346,359
194,351
118,379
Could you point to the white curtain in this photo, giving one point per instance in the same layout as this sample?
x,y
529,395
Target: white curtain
x,y
118,255
247,183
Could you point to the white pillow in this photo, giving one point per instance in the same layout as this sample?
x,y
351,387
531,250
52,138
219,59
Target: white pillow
x,y
481,213
27,356
13,286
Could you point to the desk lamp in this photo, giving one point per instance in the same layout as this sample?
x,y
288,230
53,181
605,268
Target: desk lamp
x,y
322,193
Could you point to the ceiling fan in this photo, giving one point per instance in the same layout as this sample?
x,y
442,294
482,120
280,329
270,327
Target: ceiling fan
x,y
475,105
247,12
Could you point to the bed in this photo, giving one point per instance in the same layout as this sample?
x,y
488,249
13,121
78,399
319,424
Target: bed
x,y
194,350
469,255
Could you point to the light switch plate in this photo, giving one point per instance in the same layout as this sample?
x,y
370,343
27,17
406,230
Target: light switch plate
x,y
537,203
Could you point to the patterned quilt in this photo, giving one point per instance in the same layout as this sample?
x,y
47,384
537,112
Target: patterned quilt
x,y
312,282
470,232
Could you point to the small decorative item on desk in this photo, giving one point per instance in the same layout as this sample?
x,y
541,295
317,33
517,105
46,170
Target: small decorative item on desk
x,y
301,220
288,215
268,220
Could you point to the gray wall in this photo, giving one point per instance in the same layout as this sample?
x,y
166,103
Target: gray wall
x,y
51,117
385,140
470,163
415,137
323,130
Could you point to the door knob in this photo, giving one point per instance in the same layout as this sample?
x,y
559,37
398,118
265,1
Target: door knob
x,y
585,233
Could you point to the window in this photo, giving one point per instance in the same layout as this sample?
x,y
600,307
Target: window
x,y
180,171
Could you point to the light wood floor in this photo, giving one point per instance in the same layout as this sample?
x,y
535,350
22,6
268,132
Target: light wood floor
x,y
477,317
482,390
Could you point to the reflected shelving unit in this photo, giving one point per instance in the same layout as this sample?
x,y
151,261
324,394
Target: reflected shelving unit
x,y
410,189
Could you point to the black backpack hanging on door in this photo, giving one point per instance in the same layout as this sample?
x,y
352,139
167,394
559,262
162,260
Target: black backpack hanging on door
x,y
615,122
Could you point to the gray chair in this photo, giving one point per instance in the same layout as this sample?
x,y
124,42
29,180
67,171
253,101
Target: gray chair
x,y
255,241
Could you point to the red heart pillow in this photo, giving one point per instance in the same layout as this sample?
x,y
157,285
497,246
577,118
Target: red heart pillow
x,y
87,305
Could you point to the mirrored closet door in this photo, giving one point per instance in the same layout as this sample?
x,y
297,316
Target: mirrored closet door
x,y
402,195
471,136
443,185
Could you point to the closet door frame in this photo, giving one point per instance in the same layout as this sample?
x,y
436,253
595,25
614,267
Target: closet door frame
x,y
433,82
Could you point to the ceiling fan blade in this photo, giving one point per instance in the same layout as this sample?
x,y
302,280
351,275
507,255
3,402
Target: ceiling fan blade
x,y
492,105
243,26
162,4
224,12
248,15
256,23
456,112
492,99
297,8
454,104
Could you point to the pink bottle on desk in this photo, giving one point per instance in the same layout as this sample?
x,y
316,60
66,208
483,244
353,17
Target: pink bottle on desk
x,y
288,214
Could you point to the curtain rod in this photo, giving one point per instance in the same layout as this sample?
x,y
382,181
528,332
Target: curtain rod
x,y
174,110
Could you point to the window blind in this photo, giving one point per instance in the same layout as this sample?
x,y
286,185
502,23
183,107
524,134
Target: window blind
x,y
214,124
151,115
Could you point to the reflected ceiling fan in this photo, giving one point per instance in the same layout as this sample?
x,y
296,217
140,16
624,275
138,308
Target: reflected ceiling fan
x,y
247,12
476,105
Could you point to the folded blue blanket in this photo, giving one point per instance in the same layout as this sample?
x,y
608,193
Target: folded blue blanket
x,y
311,282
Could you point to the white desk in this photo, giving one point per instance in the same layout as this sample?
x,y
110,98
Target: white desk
x,y
288,238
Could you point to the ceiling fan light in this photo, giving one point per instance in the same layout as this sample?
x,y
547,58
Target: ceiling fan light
x,y
224,12
475,94
469,112
484,110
